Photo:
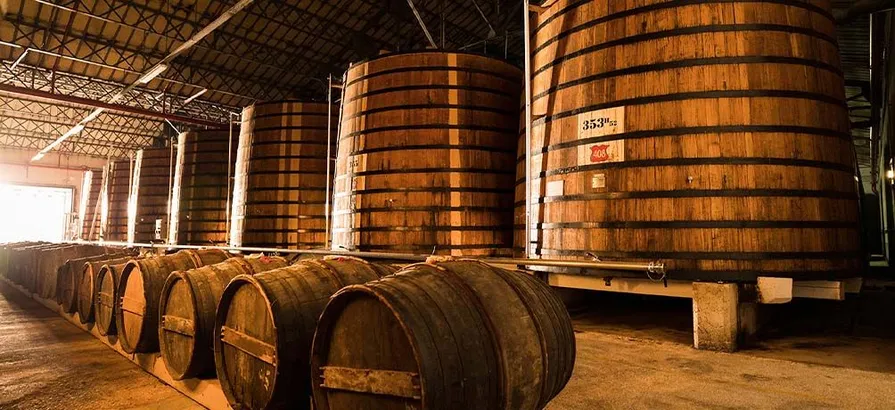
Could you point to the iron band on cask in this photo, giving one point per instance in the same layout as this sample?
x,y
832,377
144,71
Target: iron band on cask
x,y
711,135
451,334
201,187
425,162
187,308
279,192
264,327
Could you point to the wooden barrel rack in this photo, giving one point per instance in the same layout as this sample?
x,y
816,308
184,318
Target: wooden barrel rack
x,y
425,160
150,194
204,161
279,192
117,195
715,138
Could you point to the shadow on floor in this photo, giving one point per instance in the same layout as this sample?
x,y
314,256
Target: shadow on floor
x,y
858,333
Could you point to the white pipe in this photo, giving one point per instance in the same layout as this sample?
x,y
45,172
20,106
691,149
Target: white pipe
x,y
650,267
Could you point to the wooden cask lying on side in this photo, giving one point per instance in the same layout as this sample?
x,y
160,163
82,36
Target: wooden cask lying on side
x,y
105,306
279,191
426,155
204,163
139,291
52,261
89,287
187,308
115,202
69,277
455,334
21,259
265,324
150,193
714,137
90,204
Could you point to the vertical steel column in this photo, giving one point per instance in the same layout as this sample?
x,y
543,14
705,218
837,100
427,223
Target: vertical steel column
x,y
526,15
230,170
329,147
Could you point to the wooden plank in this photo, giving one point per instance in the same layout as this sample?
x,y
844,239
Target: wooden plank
x,y
382,382
179,325
254,347
773,291
819,289
133,305
105,299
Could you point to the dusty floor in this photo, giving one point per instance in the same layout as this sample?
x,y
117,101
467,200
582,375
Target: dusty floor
x,y
47,363
633,352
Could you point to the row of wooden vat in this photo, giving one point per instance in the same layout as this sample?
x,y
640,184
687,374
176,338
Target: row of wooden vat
x,y
347,332
726,165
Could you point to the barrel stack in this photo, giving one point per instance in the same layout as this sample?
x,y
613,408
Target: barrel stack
x,y
481,337
89,286
265,324
149,196
726,165
187,310
140,289
204,162
426,155
279,192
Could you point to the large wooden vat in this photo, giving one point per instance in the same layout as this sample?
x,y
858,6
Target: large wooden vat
x,y
139,291
187,307
425,162
279,191
264,327
90,204
150,194
203,165
115,202
455,334
711,135
89,286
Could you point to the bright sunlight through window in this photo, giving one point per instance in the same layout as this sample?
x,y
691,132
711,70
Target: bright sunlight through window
x,y
32,213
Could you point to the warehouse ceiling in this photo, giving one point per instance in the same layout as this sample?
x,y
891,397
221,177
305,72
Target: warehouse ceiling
x,y
87,50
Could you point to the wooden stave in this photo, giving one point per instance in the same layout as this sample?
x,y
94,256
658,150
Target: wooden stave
x,y
142,336
824,93
289,142
212,279
483,102
294,327
24,261
451,300
87,286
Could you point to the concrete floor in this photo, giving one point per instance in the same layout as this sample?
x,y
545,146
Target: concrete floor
x,y
633,352
47,363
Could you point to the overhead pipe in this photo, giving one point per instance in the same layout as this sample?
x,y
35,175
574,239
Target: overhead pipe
x,y
657,267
